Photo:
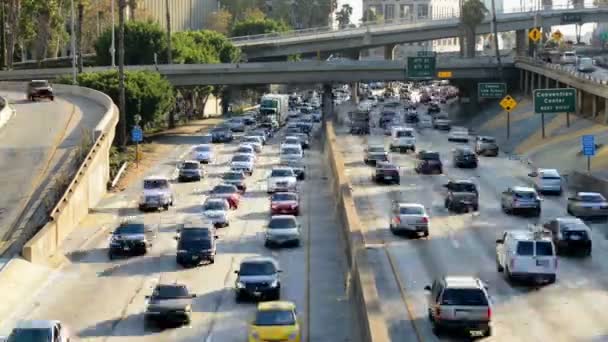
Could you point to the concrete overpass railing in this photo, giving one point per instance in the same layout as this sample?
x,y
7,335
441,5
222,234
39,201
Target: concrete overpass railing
x,y
86,188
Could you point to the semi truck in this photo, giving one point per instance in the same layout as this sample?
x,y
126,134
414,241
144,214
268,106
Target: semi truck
x,y
273,109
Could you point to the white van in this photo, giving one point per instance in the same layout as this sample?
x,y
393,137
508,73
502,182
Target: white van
x,y
527,254
402,139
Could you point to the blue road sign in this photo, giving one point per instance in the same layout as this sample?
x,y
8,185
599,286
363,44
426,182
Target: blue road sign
x,y
588,145
137,134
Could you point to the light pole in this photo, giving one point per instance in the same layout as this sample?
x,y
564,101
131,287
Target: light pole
x,y
73,42
113,45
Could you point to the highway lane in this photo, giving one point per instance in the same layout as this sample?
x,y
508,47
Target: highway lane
x,y
569,310
103,300
36,143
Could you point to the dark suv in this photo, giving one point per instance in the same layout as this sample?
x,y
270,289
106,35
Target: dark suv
x,y
464,157
195,244
429,162
39,89
130,238
462,195
386,173
258,278
570,234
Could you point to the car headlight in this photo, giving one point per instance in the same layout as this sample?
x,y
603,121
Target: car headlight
x,y
240,285
188,308
275,283
182,251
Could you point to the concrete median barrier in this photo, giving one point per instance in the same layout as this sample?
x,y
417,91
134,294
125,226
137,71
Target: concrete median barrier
x,y
85,190
363,282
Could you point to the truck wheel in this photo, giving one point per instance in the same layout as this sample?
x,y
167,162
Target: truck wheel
x,y
166,207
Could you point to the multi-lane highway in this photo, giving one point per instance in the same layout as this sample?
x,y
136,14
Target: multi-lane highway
x,y
104,300
572,309
35,144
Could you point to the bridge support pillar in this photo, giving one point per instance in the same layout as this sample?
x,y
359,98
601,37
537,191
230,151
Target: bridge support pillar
x,y
547,85
579,102
606,110
354,54
520,42
521,79
532,83
526,82
594,99
354,92
540,81
327,101
389,52
557,84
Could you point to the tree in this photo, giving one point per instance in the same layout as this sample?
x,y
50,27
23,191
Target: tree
x,y
315,13
168,17
473,13
219,21
252,27
343,16
41,24
133,6
370,16
14,7
254,14
142,40
239,8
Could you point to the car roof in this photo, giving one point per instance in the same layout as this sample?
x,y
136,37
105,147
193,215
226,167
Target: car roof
x,y
156,177
523,189
201,145
190,161
215,199
285,193
527,235
283,217
260,259
276,305
385,164
410,205
549,172
569,219
467,282
37,324
462,181
589,194
281,168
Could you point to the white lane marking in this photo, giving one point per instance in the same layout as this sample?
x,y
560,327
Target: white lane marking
x,y
209,338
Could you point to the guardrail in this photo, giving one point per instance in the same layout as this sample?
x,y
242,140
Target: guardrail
x,y
407,23
561,68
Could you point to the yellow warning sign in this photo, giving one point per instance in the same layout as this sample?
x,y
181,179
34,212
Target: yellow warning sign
x,y
508,103
534,34
557,35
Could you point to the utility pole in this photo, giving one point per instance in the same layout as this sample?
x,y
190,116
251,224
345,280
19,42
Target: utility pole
x,y
122,129
113,45
73,42
2,35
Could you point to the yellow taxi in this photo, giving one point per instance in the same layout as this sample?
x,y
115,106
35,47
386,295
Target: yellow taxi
x,y
275,321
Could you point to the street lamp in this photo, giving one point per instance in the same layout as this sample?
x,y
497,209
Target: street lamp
x,y
73,42
113,45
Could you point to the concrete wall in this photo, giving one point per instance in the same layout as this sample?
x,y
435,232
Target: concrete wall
x,y
86,189
6,111
363,283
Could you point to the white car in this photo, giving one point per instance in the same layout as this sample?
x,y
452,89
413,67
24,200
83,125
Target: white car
x,y
243,162
527,254
460,134
568,57
216,210
409,218
402,139
202,153
157,193
291,153
291,140
585,64
282,179
254,141
547,180
246,149
282,230
40,330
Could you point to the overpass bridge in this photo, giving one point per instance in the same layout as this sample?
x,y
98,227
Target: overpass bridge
x,y
289,72
389,34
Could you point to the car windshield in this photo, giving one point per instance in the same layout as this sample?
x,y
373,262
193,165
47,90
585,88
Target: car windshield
x,y
245,149
292,141
282,223
290,151
257,268
525,248
30,335
550,176
194,233
488,140
595,198
573,226
282,173
544,248
156,184
375,149
170,291
284,197
234,176
525,194
202,148
215,205
130,228
463,187
241,158
37,84
430,156
402,134
202,243
411,211
464,297
190,166
224,189
251,140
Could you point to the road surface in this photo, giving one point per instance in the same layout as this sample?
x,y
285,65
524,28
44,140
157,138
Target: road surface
x,y
572,309
35,145
103,300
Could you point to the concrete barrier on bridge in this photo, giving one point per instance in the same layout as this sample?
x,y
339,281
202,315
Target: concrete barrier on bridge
x,y
86,189
363,283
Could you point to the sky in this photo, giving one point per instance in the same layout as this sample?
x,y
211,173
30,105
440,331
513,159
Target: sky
x,y
508,5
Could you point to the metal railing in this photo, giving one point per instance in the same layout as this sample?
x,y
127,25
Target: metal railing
x,y
561,68
408,23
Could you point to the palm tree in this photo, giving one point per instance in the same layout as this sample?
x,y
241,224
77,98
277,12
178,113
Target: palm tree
x,y
122,129
81,5
473,13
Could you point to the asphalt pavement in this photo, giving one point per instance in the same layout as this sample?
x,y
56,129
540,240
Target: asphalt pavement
x,y
35,145
103,300
572,309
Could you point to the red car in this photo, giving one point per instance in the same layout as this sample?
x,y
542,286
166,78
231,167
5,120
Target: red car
x,y
229,192
287,203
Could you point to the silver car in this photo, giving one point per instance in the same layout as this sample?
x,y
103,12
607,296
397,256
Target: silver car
x,y
282,230
588,204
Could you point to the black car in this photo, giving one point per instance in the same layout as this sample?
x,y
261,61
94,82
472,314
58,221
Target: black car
x,y
130,238
169,304
411,117
221,135
464,157
429,162
196,244
386,118
462,195
258,278
433,108
570,235
386,173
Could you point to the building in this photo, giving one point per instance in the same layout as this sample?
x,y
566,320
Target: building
x,y
445,9
185,14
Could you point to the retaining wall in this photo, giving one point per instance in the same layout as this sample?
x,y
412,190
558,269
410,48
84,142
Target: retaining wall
x,y
363,283
88,186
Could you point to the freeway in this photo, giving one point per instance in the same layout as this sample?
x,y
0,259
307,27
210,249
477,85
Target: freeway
x,y
103,300
572,309
35,144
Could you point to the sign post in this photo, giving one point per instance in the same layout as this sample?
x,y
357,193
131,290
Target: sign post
x,y
421,68
557,100
508,103
491,90
137,136
588,142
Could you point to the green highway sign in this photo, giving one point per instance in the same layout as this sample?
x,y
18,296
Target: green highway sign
x,y
604,36
571,18
560,100
425,53
421,67
491,90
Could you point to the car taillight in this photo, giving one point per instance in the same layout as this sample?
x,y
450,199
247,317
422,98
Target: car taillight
x,y
438,312
489,313
425,219
397,219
